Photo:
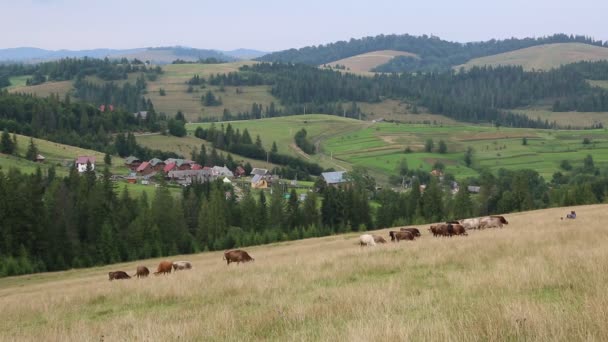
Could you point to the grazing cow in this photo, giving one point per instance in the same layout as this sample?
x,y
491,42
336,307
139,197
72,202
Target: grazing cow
x,y
237,256
398,236
472,223
142,272
572,215
118,275
367,240
458,229
492,221
442,229
378,239
164,267
414,231
182,265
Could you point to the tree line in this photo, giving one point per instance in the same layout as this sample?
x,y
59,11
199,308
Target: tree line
x,y
231,140
72,123
51,223
70,68
432,53
481,94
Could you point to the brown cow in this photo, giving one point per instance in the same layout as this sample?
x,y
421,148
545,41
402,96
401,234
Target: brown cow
x,y
442,229
414,231
118,275
164,267
458,229
398,236
378,239
492,221
237,256
142,272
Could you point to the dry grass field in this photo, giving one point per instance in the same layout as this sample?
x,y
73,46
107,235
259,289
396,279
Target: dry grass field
x,y
44,89
543,56
539,279
565,119
365,62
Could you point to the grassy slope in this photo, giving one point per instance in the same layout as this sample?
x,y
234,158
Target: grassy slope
x,y
185,145
381,147
365,62
283,129
565,119
543,56
534,280
62,156
174,79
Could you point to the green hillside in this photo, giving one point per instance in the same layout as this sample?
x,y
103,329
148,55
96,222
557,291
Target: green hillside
x,y
380,147
542,57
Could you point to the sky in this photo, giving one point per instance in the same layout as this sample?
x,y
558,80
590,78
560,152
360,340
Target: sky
x,y
272,25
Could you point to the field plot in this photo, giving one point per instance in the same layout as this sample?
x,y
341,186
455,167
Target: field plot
x,y
381,147
534,280
567,119
174,82
282,131
364,63
45,89
542,57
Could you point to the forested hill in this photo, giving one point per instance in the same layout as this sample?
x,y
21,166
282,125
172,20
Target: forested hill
x,y
434,53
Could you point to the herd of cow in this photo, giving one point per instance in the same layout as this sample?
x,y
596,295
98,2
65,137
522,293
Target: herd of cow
x,y
165,267
443,229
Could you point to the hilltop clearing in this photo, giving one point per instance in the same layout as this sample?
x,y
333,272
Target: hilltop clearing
x,y
543,57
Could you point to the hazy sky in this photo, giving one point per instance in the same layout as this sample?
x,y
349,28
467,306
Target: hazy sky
x,y
279,24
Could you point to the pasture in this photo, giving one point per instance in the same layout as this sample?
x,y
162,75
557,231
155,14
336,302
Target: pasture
x,y
538,279
543,57
185,145
174,81
365,62
282,131
566,119
381,147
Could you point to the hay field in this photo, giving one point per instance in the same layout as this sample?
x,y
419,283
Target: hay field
x,y
565,119
539,279
174,82
45,89
543,56
365,62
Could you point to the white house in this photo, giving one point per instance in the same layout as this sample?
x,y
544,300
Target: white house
x,y
81,163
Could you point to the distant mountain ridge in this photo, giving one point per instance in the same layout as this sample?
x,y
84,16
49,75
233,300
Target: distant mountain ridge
x,y
161,55
434,53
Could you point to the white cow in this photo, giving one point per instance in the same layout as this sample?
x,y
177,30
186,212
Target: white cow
x,y
492,222
182,265
472,223
367,240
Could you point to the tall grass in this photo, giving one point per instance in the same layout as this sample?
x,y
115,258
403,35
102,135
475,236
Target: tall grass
x,y
538,279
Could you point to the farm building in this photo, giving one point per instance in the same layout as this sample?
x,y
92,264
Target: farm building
x,y
186,177
335,178
239,171
157,164
474,189
259,172
132,162
39,158
169,167
81,163
145,168
259,182
222,171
